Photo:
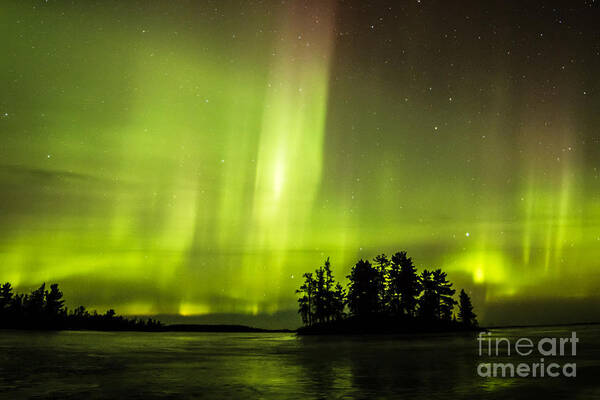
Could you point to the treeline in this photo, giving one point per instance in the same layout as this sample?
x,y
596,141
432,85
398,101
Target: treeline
x,y
45,309
389,288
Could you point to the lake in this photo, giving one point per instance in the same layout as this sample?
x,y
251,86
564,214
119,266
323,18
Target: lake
x,y
106,365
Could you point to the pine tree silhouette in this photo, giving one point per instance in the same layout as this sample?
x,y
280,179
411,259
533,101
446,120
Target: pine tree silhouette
x,y
306,300
465,314
44,309
387,293
381,264
409,285
444,294
363,295
322,299
394,287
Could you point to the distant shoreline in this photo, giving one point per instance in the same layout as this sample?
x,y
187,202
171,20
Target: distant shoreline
x,y
543,325
207,328
222,328
305,331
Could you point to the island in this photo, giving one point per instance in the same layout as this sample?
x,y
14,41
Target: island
x,y
387,296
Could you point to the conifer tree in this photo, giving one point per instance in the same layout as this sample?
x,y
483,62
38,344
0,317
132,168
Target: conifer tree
x,y
363,296
409,285
381,264
465,310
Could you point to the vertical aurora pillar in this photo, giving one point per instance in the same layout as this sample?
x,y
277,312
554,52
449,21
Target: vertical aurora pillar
x,y
290,147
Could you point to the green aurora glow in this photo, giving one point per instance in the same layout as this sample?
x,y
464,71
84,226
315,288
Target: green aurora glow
x,y
196,159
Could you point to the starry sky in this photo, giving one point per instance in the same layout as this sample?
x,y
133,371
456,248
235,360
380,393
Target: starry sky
x,y
192,159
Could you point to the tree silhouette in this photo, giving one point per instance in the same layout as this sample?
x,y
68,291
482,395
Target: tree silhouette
x,y
465,310
437,301
35,303
386,295
305,302
328,292
54,301
429,300
339,302
320,296
394,287
381,264
408,284
324,293
16,310
444,294
363,295
6,297
44,309
321,300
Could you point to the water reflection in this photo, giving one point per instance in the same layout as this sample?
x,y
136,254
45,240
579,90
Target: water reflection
x,y
270,366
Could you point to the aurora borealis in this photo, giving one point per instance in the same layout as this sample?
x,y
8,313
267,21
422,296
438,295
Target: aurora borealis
x,y
195,158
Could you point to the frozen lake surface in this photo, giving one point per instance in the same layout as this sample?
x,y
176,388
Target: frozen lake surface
x,y
106,365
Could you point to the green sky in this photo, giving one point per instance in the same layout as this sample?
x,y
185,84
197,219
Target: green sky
x,y
195,158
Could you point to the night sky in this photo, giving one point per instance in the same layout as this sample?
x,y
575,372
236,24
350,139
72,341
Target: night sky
x,y
195,158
